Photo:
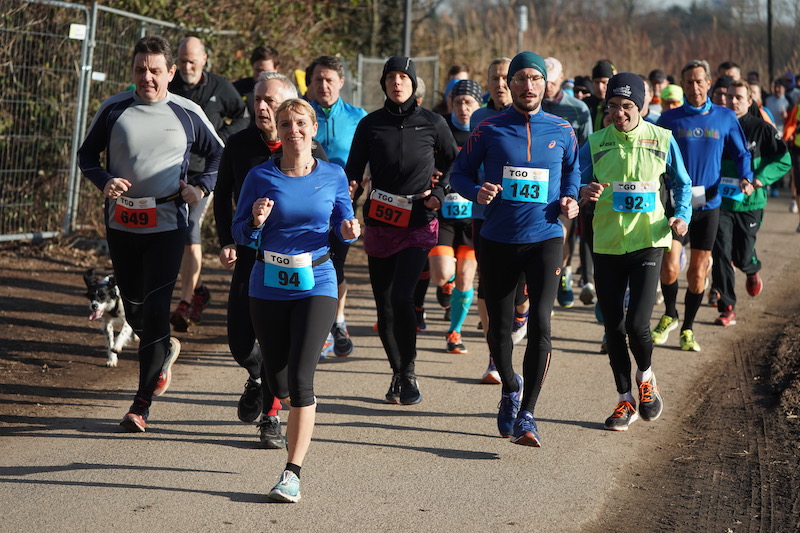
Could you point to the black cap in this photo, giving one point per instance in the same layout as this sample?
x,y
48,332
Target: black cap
x,y
723,82
468,87
603,69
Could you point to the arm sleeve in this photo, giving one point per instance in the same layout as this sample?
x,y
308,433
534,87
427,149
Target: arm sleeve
x,y
736,144
207,144
587,168
241,232
223,199
570,167
94,144
445,153
775,159
359,154
464,175
343,206
233,109
679,181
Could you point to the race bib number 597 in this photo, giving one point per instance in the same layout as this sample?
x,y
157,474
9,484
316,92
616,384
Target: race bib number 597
x,y
390,208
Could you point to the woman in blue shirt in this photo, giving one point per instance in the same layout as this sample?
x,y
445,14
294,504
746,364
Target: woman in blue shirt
x,y
287,206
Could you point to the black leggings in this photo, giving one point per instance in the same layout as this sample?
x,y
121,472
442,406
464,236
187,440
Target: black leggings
x,y
394,279
146,267
291,334
641,270
241,337
501,265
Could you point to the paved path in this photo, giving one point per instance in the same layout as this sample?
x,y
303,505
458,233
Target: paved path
x,y
437,466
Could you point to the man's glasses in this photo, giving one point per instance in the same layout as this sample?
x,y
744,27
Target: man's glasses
x,y
521,79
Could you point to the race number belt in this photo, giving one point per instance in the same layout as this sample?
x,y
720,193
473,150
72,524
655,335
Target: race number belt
x,y
136,212
394,209
525,184
634,196
290,272
729,188
456,206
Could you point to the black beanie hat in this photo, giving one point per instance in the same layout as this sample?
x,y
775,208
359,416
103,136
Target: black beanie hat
x,y
626,85
603,69
723,82
468,87
584,82
400,64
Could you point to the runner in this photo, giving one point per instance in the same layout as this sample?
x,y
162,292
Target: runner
x,y
742,213
287,206
404,146
702,130
147,135
622,167
525,191
452,260
245,150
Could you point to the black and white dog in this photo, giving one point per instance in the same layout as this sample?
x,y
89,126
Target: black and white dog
x,y
105,305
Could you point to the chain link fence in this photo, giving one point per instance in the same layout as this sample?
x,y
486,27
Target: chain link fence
x,y
368,90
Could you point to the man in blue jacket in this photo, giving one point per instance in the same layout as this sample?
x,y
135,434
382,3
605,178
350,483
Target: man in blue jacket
x,y
337,124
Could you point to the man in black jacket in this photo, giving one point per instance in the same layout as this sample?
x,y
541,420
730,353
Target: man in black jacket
x,y
226,111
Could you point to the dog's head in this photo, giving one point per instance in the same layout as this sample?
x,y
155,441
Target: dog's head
x,y
102,293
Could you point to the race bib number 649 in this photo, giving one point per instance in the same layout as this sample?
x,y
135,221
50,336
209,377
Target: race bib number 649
x,y
136,212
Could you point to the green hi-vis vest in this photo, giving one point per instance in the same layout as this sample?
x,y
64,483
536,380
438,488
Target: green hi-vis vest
x,y
629,215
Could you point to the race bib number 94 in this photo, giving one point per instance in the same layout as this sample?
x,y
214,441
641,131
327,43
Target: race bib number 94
x,y
393,209
523,184
634,196
729,188
136,212
456,206
289,272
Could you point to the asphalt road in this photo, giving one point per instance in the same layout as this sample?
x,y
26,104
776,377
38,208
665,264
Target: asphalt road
x,y
437,466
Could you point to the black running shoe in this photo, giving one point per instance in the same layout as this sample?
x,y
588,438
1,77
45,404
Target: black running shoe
x,y
650,403
251,404
269,432
393,394
342,345
420,312
409,390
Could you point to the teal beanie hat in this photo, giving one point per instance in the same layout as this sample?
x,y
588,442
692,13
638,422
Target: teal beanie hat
x,y
526,60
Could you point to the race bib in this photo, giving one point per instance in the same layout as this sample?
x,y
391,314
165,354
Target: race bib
x,y
289,272
136,212
393,209
524,184
729,188
456,206
634,196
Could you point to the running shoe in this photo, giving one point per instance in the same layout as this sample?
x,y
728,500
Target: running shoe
x,y
287,490
180,319
793,207
565,296
454,344
165,377
491,376
409,390
508,409
688,343
134,422
727,318
421,316
444,292
588,295
200,300
393,394
713,297
604,345
519,328
327,348
797,229
269,433
754,284
650,404
342,345
525,431
659,295
661,331
251,403
446,315
623,416
709,266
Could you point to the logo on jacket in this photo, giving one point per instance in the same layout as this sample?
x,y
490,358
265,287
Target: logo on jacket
x,y
607,143
552,145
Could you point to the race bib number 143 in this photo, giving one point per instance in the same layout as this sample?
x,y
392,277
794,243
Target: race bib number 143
x,y
523,184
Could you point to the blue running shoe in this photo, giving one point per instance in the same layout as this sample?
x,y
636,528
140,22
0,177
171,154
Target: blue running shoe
x,y
565,296
525,432
508,409
287,490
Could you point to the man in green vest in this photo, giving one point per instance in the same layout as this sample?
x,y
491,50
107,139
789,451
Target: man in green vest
x,y
621,167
